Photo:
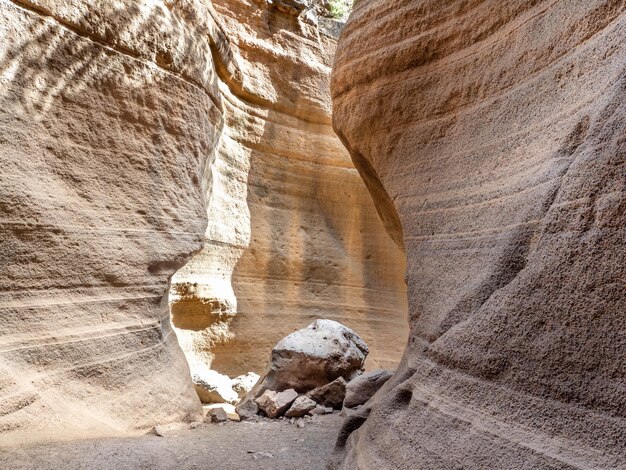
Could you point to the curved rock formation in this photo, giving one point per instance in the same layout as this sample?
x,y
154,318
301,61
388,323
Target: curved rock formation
x,y
110,114
293,234
492,136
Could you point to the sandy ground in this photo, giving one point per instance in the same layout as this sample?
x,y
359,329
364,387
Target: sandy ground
x,y
275,445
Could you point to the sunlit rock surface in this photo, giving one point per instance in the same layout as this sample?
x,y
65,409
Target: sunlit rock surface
x,y
293,234
109,116
492,135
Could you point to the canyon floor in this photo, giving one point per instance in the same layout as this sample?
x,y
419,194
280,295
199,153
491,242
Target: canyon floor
x,y
264,444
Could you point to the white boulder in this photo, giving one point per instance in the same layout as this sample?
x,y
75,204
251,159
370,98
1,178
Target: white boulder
x,y
213,387
314,356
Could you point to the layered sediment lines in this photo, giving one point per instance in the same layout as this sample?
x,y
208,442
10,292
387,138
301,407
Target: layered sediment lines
x,y
293,233
109,116
492,135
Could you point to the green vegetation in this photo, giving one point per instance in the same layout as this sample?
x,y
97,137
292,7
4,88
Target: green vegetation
x,y
340,9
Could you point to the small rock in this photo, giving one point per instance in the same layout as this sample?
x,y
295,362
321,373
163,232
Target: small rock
x,y
300,424
275,404
159,430
228,408
247,409
362,388
194,425
331,394
216,415
301,406
260,455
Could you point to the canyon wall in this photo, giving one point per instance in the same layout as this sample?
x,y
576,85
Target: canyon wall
x,y
293,234
109,116
492,134
124,127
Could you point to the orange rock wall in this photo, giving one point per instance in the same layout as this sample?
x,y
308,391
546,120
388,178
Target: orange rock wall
x,y
491,134
293,234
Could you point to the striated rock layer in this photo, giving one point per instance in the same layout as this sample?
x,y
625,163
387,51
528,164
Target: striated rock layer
x,y
122,123
293,234
492,135
109,116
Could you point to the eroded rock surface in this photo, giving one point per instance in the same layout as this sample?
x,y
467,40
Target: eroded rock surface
x,y
120,123
293,233
109,116
491,135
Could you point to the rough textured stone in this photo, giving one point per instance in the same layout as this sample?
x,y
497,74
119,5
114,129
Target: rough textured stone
x,y
300,407
217,415
313,357
291,7
293,234
330,395
274,404
491,135
229,409
213,387
362,388
110,114
247,409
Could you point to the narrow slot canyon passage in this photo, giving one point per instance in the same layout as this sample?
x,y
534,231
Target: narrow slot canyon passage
x,y
293,235
312,234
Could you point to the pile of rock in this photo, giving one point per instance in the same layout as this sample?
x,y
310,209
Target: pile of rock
x,y
219,393
314,371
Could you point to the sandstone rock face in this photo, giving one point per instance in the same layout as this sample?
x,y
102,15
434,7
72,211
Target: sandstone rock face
x,y
121,123
109,116
491,135
293,234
